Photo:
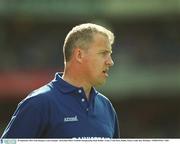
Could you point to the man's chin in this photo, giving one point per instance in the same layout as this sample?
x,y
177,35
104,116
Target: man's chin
x,y
100,83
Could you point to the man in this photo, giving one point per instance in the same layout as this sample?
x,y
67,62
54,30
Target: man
x,y
69,106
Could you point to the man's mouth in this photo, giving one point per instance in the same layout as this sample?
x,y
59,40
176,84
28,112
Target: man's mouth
x,y
106,72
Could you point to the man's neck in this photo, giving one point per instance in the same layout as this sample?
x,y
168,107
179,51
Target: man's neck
x,y
76,80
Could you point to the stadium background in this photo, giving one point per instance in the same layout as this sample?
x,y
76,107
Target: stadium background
x,y
144,84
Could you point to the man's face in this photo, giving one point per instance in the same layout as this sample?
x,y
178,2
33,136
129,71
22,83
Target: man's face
x,y
97,60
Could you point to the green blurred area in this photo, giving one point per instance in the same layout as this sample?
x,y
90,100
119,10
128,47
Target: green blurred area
x,y
103,8
144,83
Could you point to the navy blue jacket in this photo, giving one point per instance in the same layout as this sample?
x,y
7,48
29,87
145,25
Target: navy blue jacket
x,y
60,110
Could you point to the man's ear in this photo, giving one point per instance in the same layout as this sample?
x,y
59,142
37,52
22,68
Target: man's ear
x,y
79,54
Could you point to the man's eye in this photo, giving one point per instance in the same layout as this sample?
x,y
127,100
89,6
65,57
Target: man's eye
x,y
105,53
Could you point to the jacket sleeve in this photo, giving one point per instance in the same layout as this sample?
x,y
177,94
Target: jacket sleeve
x,y
28,121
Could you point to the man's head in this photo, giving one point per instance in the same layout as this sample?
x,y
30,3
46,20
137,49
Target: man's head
x,y
81,36
87,52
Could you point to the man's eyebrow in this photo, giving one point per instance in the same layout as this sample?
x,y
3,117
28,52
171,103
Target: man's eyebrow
x,y
106,50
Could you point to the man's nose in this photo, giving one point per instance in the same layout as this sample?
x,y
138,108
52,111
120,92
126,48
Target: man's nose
x,y
109,61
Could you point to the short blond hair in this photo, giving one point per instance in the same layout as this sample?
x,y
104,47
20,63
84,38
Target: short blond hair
x,y
81,35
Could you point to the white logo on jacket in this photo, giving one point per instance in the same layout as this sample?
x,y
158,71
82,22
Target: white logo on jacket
x,y
71,119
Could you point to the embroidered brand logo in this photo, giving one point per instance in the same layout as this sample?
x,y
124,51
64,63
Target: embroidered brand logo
x,y
71,119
